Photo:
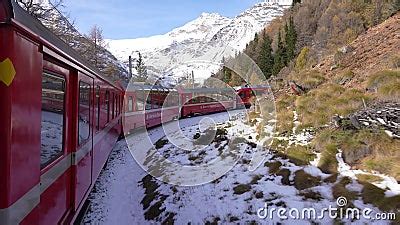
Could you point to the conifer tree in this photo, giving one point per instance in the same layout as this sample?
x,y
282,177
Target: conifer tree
x,y
290,40
278,56
266,60
141,69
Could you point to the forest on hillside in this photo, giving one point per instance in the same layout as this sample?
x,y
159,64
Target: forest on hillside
x,y
334,68
308,31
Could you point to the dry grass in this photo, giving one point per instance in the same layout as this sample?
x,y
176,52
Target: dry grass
x,y
273,167
317,107
339,189
328,162
376,196
344,77
303,180
300,155
311,79
368,178
364,148
279,145
386,84
284,111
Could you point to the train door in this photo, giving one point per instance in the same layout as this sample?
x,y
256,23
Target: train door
x,y
84,154
55,155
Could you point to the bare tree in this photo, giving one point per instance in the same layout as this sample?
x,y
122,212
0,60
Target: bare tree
x,y
41,9
98,43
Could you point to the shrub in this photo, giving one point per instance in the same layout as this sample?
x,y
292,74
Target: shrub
x,y
311,79
382,78
284,113
344,77
300,155
395,61
318,106
301,60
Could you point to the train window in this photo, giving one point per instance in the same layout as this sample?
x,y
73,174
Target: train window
x,y
116,105
52,125
148,99
130,104
84,112
155,99
108,105
98,107
113,103
140,100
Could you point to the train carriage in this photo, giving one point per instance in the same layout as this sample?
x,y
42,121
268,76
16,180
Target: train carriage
x,y
149,106
206,100
60,119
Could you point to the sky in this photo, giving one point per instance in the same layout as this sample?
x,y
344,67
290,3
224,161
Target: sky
x,y
126,19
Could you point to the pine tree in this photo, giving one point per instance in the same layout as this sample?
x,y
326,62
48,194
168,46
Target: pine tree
x,y
290,40
266,60
141,69
278,56
227,74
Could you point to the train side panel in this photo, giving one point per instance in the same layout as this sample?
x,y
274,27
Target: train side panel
x,y
20,136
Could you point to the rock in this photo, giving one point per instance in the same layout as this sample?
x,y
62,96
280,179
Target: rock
x,y
381,116
296,89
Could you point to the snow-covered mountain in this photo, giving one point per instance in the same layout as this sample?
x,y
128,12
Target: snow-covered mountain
x,y
201,44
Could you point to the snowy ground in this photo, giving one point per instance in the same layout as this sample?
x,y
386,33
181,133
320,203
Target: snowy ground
x,y
126,194
51,136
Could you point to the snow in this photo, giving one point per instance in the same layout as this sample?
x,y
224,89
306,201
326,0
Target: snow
x,y
51,136
387,183
120,192
208,38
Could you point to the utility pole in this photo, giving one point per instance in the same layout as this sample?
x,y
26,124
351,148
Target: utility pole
x,y
192,78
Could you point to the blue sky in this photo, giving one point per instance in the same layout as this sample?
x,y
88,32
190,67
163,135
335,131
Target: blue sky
x,y
121,19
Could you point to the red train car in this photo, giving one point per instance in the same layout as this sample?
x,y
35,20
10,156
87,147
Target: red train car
x,y
60,119
149,106
206,100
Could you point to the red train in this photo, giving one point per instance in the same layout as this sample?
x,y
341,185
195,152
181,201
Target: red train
x,y
61,119
149,106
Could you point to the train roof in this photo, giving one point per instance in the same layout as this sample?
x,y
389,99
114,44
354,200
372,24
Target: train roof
x,y
147,87
205,90
15,13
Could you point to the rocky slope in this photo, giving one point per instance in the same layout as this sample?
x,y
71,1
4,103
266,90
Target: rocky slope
x,y
201,42
369,53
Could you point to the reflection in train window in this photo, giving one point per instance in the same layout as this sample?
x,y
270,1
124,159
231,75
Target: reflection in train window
x,y
148,99
108,105
53,96
130,104
84,112
140,96
98,107
113,107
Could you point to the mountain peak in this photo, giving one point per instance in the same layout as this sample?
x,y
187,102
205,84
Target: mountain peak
x,y
208,15
208,38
